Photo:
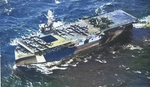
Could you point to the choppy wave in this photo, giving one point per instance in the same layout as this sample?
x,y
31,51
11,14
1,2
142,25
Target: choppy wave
x,y
57,1
14,42
49,67
19,17
143,22
101,9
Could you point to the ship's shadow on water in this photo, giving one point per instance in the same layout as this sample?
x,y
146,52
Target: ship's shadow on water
x,y
122,62
30,73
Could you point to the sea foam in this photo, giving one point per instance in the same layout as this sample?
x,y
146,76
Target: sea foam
x,y
14,42
143,23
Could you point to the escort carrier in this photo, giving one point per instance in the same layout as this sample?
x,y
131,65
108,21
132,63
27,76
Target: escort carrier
x,y
53,43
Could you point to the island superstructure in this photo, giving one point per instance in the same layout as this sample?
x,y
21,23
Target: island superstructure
x,y
52,43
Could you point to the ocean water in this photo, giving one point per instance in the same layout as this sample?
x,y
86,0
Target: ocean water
x,y
122,63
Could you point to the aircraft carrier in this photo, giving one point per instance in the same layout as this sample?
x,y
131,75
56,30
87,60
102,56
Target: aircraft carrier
x,y
51,43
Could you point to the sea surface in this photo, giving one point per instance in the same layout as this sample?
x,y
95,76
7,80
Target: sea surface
x,y
122,63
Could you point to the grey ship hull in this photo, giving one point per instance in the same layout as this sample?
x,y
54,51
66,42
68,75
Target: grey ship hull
x,y
109,36
65,47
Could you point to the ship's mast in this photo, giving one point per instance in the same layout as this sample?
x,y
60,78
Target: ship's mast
x,y
50,17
